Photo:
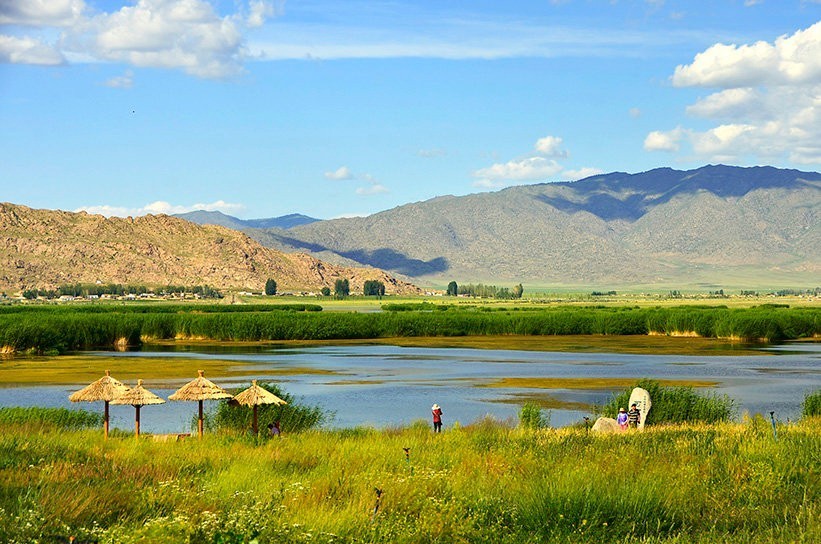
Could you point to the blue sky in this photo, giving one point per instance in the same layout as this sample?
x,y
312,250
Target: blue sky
x,y
336,108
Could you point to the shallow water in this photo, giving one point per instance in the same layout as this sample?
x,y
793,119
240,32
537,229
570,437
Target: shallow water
x,y
382,385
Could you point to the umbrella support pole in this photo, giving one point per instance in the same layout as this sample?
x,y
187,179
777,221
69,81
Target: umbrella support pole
x,y
199,421
255,425
105,421
137,422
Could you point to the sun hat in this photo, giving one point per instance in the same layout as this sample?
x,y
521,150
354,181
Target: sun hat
x,y
621,409
434,407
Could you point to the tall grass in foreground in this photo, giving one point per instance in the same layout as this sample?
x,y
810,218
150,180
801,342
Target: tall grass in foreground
x,y
486,482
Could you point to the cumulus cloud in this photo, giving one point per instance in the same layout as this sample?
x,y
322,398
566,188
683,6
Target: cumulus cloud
x,y
259,12
188,35
551,146
538,168
581,173
528,169
766,106
664,141
160,207
340,174
40,12
28,51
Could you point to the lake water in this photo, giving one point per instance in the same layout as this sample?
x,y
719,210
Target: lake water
x,y
384,385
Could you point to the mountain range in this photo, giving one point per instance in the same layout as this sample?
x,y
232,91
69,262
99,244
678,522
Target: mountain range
x,y
44,249
712,226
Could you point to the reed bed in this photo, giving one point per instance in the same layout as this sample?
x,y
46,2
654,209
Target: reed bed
x,y
485,482
56,329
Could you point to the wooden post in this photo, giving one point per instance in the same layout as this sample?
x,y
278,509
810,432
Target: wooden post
x,y
199,421
105,420
137,422
254,424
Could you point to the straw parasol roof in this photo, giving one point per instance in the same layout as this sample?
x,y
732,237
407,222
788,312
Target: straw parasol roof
x,y
200,389
255,396
105,389
137,397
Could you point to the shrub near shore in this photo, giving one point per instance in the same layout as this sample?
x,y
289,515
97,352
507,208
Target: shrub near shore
x,y
485,482
43,329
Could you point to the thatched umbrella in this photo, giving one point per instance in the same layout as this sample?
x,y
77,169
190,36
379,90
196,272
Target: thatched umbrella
x,y
200,389
105,389
137,397
255,396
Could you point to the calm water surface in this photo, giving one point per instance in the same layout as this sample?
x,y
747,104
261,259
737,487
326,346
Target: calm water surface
x,y
387,385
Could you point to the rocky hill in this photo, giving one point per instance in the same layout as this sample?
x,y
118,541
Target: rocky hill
x,y
45,249
717,225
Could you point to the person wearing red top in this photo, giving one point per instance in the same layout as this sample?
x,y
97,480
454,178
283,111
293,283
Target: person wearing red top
x,y
437,418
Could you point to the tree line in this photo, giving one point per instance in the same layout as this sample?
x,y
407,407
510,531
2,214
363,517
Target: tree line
x,y
484,291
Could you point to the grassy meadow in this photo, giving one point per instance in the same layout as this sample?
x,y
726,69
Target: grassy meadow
x,y
485,482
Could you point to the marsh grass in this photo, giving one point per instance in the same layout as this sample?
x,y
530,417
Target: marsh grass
x,y
675,404
489,481
42,329
812,405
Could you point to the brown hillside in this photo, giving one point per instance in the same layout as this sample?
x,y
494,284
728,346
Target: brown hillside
x,y
45,249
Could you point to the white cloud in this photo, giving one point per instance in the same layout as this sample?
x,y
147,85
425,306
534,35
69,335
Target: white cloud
x,y
125,81
635,113
551,146
748,3
340,174
767,105
528,169
160,207
788,60
40,12
664,141
259,12
188,35
581,173
373,189
28,51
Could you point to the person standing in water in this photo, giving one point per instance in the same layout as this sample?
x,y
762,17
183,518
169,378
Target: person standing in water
x,y
437,418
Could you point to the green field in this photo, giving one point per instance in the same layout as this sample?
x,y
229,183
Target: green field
x,y
486,482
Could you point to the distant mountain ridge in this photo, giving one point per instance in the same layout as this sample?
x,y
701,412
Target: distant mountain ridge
x,y
46,248
715,225
202,217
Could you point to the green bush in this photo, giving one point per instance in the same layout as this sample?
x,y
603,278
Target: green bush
x,y
675,404
812,405
293,417
531,417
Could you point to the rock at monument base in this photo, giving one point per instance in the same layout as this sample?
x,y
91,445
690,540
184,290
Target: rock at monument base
x,y
605,425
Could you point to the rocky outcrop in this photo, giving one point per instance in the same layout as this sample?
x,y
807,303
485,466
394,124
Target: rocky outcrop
x,y
45,248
